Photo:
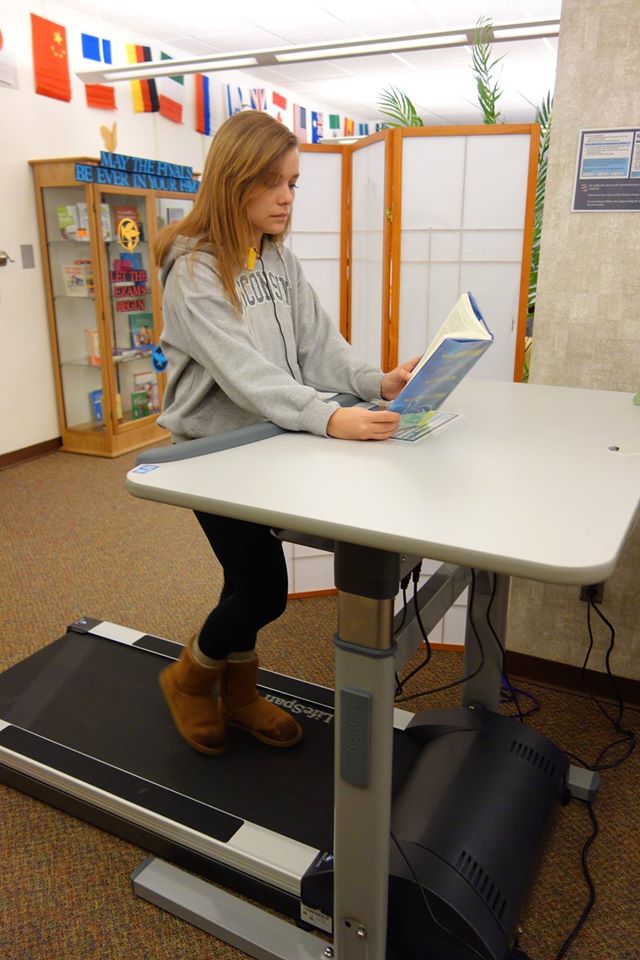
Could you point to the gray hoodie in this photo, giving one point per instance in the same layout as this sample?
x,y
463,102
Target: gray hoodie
x,y
227,371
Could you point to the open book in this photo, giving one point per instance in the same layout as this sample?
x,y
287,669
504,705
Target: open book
x,y
459,343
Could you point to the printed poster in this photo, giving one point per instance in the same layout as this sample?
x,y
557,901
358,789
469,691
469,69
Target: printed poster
x,y
608,170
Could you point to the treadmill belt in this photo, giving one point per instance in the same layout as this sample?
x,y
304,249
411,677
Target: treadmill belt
x,y
101,699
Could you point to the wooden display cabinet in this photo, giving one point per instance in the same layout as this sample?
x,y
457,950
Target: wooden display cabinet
x,y
103,304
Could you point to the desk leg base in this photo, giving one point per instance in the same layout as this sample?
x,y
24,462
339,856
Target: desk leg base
x,y
236,922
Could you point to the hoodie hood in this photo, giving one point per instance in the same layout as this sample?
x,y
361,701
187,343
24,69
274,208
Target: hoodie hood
x,y
182,246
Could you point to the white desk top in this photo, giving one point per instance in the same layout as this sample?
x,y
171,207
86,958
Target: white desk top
x,y
522,483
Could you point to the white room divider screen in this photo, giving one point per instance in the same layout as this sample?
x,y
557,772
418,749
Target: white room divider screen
x,y
462,202
391,230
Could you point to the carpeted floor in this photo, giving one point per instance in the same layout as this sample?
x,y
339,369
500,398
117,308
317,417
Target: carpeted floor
x,y
75,543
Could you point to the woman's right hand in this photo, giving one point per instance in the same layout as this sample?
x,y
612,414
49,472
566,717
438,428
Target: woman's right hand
x,y
358,423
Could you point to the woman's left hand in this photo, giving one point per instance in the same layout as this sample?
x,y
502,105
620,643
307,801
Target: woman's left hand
x,y
394,381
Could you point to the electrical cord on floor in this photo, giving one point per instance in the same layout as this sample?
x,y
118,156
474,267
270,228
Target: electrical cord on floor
x,y
588,880
454,683
507,696
628,737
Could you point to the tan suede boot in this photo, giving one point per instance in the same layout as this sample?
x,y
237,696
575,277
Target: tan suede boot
x,y
189,689
243,707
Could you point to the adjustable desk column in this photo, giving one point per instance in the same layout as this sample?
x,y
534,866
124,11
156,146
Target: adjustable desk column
x,y
367,580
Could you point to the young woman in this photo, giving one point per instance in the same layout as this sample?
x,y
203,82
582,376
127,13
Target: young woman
x,y
247,340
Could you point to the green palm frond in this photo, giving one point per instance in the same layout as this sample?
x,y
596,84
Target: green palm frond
x,y
544,113
397,106
483,68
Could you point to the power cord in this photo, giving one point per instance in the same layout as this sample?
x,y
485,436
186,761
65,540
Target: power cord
x,y
454,683
432,916
588,880
628,737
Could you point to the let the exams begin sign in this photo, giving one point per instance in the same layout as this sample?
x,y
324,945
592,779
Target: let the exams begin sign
x,y
120,170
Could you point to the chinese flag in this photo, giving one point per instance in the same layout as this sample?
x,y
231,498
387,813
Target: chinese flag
x,y
50,61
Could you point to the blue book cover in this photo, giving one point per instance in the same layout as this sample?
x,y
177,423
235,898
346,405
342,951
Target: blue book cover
x,y
460,342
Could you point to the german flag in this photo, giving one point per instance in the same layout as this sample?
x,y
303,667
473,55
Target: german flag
x,y
144,92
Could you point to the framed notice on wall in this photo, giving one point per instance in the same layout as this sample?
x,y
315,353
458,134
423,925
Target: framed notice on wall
x,y
608,170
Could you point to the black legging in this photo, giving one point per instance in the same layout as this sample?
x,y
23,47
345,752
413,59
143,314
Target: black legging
x,y
255,584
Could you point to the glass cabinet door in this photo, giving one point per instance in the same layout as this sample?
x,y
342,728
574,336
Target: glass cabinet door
x,y
171,209
134,325
131,331
69,249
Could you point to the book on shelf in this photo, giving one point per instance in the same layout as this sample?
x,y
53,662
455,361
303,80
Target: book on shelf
x,y
73,221
121,213
459,343
93,346
78,278
70,225
141,328
149,383
140,406
105,222
95,397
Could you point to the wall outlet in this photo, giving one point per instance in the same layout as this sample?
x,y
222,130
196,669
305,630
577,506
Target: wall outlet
x,y
593,592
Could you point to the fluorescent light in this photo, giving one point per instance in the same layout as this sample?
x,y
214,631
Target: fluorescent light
x,y
372,47
316,51
550,28
162,68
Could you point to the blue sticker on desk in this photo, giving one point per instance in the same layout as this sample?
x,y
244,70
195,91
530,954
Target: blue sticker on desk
x,y
146,468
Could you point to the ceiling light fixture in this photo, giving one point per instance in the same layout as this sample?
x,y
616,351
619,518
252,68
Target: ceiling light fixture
x,y
520,30
370,48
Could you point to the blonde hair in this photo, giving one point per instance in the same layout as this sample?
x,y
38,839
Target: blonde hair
x,y
244,158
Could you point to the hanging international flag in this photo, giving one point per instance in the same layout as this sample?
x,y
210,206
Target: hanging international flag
x,y
348,127
316,127
50,60
203,104
171,94
236,99
143,92
334,124
278,105
300,123
96,50
8,75
258,99
363,129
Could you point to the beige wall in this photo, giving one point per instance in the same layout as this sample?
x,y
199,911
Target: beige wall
x,y
587,326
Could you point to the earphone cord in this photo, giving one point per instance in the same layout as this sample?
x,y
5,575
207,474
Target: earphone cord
x,y
275,313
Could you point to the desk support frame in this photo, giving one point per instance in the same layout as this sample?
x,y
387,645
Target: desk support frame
x,y
367,580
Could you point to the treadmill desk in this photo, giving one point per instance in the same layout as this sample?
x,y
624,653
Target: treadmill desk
x,y
530,481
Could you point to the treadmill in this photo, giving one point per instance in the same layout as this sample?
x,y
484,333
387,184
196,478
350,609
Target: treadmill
x,y
84,728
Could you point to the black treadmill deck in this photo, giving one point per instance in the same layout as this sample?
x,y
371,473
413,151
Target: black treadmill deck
x,y
91,708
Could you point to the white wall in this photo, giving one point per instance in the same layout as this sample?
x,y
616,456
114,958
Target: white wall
x,y
37,127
